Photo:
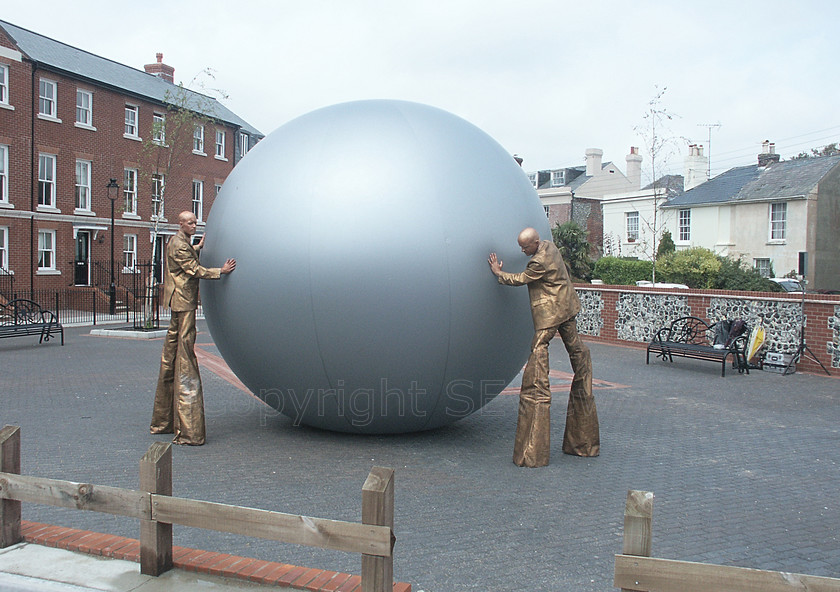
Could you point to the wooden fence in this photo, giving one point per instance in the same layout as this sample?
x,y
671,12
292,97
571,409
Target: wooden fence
x,y
157,511
635,569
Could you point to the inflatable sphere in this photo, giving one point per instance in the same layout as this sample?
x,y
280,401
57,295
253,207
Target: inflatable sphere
x,y
362,300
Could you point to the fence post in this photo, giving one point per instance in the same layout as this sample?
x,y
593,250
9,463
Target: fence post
x,y
93,297
638,514
57,309
156,537
378,509
10,509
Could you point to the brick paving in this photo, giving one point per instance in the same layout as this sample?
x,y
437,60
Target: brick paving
x,y
744,468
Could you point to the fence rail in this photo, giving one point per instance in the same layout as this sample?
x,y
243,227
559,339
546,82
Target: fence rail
x,y
157,511
635,570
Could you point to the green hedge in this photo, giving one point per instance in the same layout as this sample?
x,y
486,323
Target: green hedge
x,y
622,272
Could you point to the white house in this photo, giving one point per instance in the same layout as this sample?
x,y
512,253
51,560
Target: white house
x,y
781,217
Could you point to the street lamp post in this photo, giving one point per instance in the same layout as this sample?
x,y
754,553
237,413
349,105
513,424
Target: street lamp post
x,y
113,193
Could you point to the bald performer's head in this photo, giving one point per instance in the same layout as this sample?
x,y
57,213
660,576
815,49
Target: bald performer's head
x,y
187,222
529,241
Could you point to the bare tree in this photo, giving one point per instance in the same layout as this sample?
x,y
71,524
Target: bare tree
x,y
178,130
660,146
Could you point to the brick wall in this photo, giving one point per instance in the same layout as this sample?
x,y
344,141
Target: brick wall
x,y
629,314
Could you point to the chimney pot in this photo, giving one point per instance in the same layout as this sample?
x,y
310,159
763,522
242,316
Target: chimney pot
x,y
159,57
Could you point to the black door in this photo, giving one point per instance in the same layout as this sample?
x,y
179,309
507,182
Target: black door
x,y
82,266
160,245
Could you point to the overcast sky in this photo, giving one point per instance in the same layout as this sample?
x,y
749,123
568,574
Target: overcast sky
x,y
546,78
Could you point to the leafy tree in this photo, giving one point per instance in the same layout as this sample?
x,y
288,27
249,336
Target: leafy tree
x,y
570,239
735,274
696,267
622,272
828,150
666,245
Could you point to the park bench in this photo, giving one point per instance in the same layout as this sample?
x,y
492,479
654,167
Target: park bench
x,y
689,337
21,317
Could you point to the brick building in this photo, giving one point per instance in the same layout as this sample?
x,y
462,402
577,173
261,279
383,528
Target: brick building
x,y
70,123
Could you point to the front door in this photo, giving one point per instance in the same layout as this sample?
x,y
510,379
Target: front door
x,y
160,246
82,264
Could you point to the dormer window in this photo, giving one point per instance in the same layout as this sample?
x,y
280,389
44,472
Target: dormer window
x,y
558,178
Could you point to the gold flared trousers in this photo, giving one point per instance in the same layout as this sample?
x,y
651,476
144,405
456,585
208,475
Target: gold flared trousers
x,y
532,444
179,399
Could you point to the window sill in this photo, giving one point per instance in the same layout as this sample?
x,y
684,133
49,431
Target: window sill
x,y
7,106
777,242
4,272
217,157
130,137
79,212
129,216
48,272
85,126
128,270
6,205
159,219
49,209
199,153
45,117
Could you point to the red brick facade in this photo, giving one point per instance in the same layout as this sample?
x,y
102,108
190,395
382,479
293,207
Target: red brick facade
x,y
28,135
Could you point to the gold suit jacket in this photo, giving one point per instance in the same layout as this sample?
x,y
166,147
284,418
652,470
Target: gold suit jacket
x,y
553,297
180,283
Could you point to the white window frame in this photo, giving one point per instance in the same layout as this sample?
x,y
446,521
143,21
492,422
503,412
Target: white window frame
x,y
221,136
84,113
558,178
631,226
244,143
132,117
129,192
47,99
778,221
763,265
159,128
46,179
198,140
46,250
83,174
4,248
4,85
684,226
4,174
158,193
218,188
198,199
129,253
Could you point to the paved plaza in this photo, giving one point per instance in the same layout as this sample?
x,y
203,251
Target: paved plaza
x,y
744,468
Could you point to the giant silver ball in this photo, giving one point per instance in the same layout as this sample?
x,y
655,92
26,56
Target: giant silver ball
x,y
362,300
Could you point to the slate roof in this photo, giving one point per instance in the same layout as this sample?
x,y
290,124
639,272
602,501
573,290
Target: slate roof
x,y
780,180
60,57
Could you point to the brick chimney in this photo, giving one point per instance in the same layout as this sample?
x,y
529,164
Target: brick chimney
x,y
593,161
696,167
768,154
161,70
634,167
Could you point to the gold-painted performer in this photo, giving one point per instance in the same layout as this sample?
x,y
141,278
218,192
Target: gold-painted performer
x,y
179,400
554,305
